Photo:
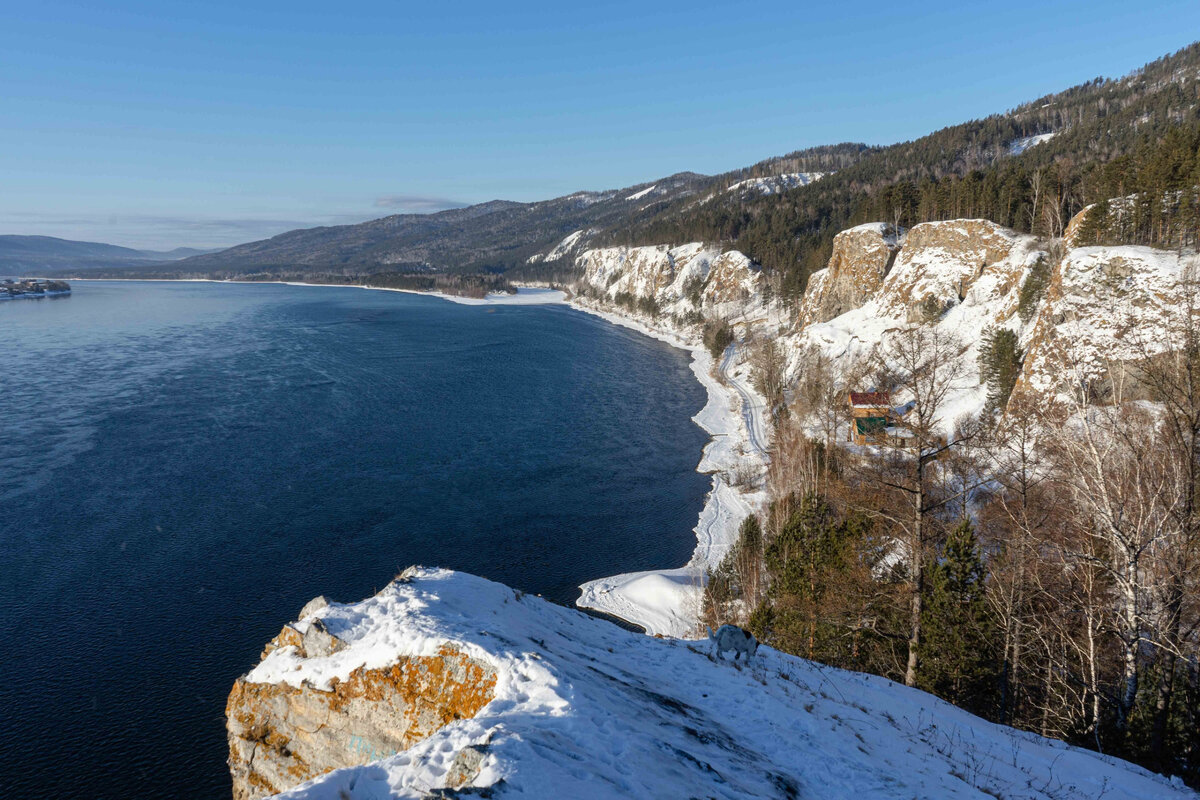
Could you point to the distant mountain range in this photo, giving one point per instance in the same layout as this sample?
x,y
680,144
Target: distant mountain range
x,y
500,236
782,212
33,253
492,236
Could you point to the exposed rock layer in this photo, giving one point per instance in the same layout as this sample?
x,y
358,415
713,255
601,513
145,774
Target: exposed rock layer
x,y
281,735
862,257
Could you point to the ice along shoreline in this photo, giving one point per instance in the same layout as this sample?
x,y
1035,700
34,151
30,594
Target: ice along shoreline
x,y
667,602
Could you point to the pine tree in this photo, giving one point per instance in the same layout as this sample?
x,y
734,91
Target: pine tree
x,y
821,577
957,662
999,366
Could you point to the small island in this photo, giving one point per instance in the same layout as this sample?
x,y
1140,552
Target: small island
x,y
28,287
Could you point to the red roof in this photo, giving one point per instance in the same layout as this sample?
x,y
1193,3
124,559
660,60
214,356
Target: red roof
x,y
872,399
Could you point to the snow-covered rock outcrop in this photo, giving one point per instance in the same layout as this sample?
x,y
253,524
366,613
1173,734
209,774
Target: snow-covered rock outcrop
x,y
690,277
1106,306
324,698
1103,305
566,705
862,257
959,276
940,262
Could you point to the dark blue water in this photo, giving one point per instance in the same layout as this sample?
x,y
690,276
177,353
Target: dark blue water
x,y
182,466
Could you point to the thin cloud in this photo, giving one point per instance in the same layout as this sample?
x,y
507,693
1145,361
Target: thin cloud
x,y
416,204
163,232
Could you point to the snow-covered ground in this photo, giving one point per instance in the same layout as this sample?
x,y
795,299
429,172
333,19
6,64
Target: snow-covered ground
x,y
525,296
667,601
775,184
559,250
1021,145
582,709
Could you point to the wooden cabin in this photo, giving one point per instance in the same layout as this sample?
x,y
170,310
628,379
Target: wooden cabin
x,y
870,417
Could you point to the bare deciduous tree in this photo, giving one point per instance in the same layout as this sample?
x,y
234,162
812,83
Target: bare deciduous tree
x,y
924,363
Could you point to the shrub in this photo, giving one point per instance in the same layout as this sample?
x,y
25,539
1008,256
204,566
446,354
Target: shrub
x,y
718,334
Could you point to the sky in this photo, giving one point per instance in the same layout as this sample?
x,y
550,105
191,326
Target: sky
x,y
205,124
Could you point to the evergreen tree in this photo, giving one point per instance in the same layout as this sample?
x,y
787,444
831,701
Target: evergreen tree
x,y
1033,289
999,366
735,584
957,660
821,603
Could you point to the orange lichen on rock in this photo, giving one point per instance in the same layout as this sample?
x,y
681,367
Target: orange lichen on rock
x,y
282,735
289,636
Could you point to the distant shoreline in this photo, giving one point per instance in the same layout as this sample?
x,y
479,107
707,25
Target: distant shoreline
x,y
560,296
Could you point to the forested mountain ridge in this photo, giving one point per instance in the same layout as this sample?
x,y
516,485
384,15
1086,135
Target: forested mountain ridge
x,y
968,170
488,237
496,236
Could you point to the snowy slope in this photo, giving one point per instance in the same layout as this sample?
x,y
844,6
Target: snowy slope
x,y
1021,145
775,184
582,709
560,250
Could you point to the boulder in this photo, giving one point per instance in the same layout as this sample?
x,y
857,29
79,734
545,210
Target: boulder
x,y
282,734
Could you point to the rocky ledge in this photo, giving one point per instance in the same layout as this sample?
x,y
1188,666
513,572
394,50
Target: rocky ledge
x,y
445,685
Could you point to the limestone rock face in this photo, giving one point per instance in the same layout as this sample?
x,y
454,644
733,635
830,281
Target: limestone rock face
x,y
861,259
941,260
1105,306
281,735
683,279
733,280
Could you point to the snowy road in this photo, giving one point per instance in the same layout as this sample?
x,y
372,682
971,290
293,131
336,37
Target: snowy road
x,y
753,410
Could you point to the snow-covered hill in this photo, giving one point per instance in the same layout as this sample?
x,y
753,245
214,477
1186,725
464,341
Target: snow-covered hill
x,y
445,684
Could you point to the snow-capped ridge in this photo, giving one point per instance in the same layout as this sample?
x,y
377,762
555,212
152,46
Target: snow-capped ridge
x,y
577,707
775,184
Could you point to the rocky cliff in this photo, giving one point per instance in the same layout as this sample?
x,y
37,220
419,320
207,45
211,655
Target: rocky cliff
x,y
690,278
1101,305
447,685
862,257
958,276
1106,307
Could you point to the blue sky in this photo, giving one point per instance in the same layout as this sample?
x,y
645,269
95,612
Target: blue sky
x,y
157,124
